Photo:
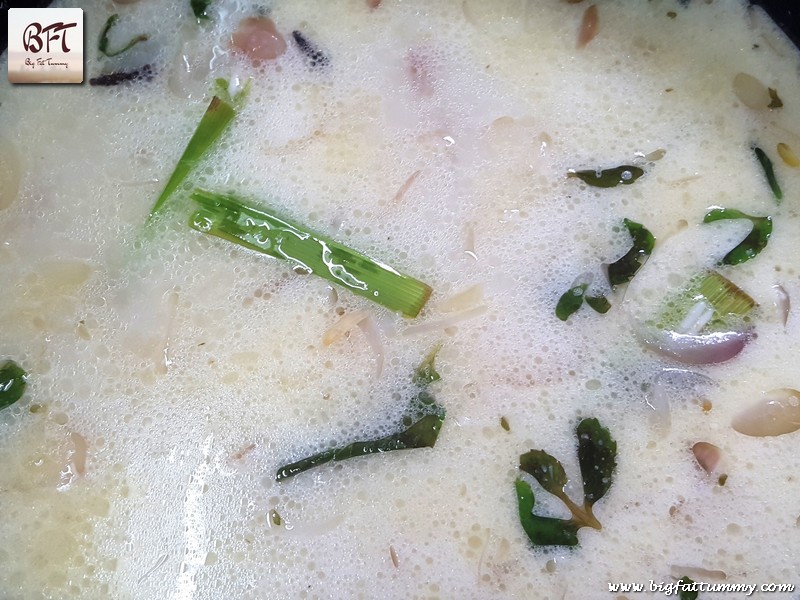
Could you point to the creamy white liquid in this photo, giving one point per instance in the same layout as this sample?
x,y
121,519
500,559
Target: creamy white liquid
x,y
192,369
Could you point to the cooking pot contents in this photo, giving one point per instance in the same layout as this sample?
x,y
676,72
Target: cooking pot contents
x,y
402,299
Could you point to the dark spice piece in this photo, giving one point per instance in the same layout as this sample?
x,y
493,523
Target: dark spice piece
x,y
115,78
316,57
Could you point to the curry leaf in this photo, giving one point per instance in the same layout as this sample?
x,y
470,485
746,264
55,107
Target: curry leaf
x,y
199,8
543,531
570,301
769,172
423,421
750,246
102,45
688,589
597,452
599,303
597,456
622,175
623,270
547,470
13,379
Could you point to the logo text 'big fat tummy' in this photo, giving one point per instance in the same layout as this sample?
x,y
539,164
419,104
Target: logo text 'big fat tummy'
x,y
45,45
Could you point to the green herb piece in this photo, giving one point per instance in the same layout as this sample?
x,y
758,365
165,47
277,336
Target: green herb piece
x,y
750,246
607,178
13,379
260,229
426,372
725,296
423,421
218,115
774,100
623,270
688,588
571,301
102,46
597,456
199,8
709,302
598,303
769,172
543,531
597,452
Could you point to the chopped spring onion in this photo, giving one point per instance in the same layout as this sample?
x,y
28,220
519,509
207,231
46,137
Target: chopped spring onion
x,y
421,425
218,115
769,172
13,379
725,296
597,457
260,229
622,175
750,246
623,270
102,46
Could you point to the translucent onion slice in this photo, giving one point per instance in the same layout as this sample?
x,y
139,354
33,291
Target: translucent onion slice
x,y
782,302
370,330
750,91
343,326
667,387
777,413
702,349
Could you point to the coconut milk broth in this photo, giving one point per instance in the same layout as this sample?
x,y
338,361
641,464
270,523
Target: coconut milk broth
x,y
171,376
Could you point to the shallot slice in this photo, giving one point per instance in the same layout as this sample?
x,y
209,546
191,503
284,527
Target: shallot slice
x,y
343,325
589,26
370,330
671,384
775,414
707,455
782,302
258,39
703,349
750,91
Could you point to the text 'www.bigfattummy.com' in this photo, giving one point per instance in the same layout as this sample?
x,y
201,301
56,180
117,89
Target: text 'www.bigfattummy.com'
x,y
673,588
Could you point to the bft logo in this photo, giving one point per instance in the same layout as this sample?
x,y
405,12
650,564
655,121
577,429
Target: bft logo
x,y
45,45
32,40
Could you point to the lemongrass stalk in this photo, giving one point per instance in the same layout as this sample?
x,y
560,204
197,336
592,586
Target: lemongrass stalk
x,y
262,230
215,120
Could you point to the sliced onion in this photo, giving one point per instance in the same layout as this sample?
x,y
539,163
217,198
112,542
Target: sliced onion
x,y
258,39
447,322
590,25
707,455
782,302
670,384
750,91
370,329
463,300
404,188
343,325
775,414
697,573
703,349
